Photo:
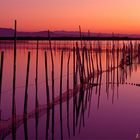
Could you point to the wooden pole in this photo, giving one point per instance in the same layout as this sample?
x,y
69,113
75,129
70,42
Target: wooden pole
x,y
87,62
36,124
61,75
36,80
74,86
47,85
98,105
26,87
92,59
97,62
89,57
50,45
100,56
68,95
26,99
14,86
14,72
47,123
1,72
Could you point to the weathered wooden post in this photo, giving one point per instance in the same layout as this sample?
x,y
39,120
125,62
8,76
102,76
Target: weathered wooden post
x,y
61,75
36,79
50,45
26,87
1,72
68,95
47,85
14,85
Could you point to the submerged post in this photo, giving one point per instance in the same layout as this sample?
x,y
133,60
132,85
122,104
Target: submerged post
x,y
1,71
36,79
61,74
68,95
50,45
47,85
14,86
14,71
100,56
74,86
97,62
26,87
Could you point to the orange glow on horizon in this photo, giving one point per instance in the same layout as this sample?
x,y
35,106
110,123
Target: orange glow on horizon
x,y
97,16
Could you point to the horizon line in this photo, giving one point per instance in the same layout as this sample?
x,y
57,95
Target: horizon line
x,y
63,30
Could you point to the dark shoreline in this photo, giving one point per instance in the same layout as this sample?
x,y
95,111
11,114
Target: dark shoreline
x,y
69,38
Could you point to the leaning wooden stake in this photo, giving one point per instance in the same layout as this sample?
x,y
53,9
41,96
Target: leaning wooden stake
x,y
14,86
25,127
1,71
47,85
91,64
52,66
68,125
50,45
74,86
87,62
36,98
97,62
48,97
26,87
14,72
36,80
26,99
100,57
61,75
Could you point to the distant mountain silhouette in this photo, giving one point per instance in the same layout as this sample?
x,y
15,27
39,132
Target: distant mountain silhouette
x,y
8,32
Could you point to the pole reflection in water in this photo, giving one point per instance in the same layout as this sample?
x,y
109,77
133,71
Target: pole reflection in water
x,y
26,99
14,85
1,72
48,97
68,124
61,74
36,98
84,78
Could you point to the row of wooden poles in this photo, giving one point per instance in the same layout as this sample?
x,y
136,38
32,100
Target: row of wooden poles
x,y
78,66
80,106
77,106
83,67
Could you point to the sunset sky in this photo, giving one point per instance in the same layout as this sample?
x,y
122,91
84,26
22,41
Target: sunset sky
x,y
119,16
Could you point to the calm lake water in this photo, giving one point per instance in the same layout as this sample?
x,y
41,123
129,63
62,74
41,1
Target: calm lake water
x,y
107,109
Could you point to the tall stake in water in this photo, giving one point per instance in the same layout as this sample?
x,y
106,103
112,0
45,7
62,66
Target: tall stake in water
x,y
26,87
74,86
1,71
14,86
47,85
26,99
68,126
36,98
61,75
52,84
36,80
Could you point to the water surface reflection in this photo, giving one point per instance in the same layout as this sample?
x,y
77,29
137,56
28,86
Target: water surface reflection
x,y
92,93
